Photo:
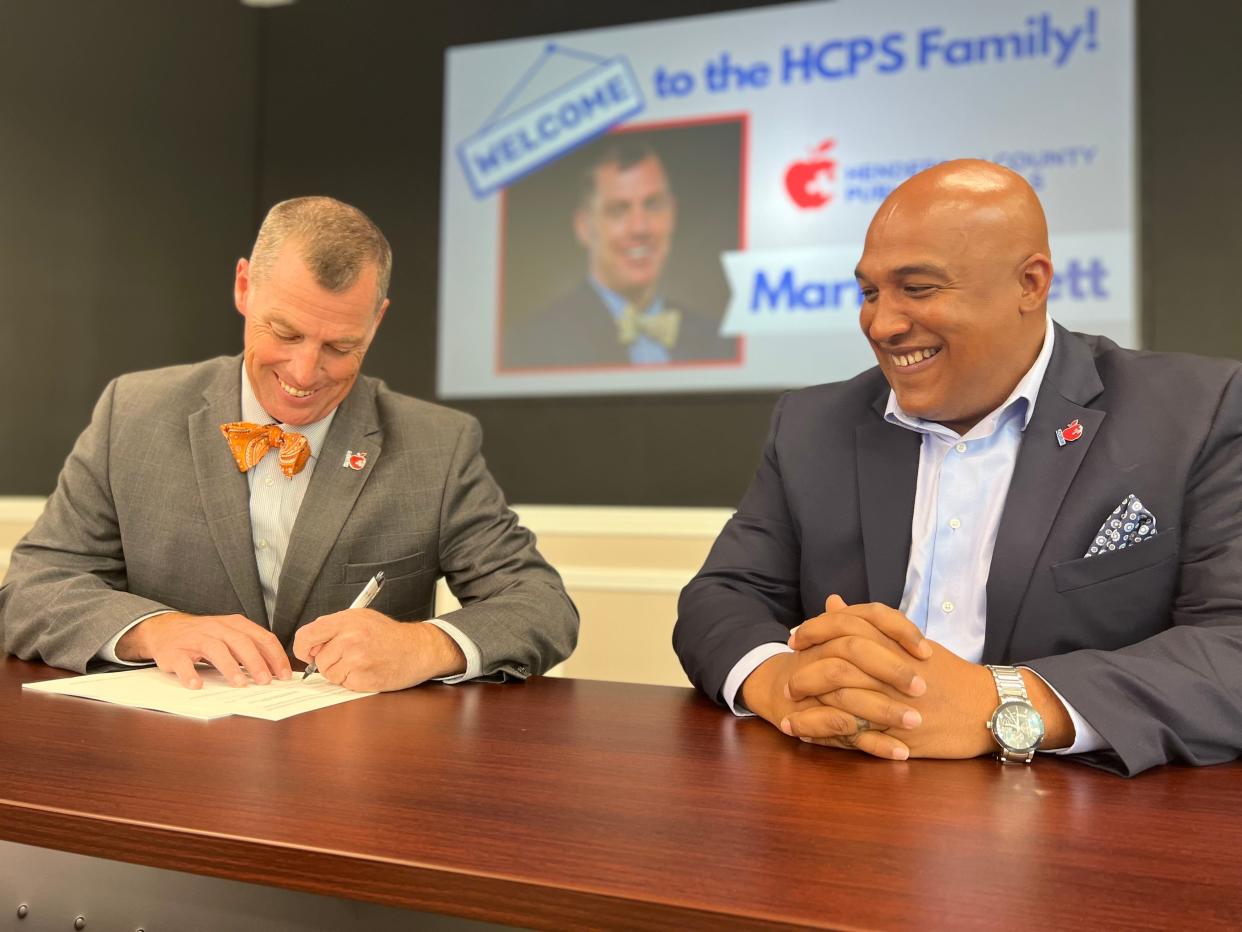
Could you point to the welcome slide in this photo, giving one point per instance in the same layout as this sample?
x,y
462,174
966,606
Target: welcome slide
x,y
679,206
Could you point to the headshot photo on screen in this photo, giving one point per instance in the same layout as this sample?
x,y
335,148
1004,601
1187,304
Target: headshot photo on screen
x,y
612,254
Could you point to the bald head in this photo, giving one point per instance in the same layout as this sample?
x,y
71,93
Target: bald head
x,y
955,275
980,205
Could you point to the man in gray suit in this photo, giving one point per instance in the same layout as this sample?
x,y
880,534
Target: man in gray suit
x,y
1005,538
230,511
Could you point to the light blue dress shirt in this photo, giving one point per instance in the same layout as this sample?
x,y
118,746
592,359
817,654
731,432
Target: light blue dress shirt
x,y
274,497
644,351
963,481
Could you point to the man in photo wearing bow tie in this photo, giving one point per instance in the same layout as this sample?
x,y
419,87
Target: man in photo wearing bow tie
x,y
617,316
1005,538
228,512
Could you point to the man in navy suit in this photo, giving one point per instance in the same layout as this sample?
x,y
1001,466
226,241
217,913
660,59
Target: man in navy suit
x,y
618,315
1005,538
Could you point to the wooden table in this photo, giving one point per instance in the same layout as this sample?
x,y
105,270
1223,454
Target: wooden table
x,y
575,804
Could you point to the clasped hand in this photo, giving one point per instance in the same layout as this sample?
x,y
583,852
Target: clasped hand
x,y
864,677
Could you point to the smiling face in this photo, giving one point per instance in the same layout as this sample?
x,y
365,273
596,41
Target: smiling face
x,y
304,345
626,226
955,275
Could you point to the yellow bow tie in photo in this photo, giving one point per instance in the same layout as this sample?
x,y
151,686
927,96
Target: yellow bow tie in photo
x,y
661,327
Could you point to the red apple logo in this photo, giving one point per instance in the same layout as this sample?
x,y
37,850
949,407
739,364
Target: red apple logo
x,y
1073,430
807,181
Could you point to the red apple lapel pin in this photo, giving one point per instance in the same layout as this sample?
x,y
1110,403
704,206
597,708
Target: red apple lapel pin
x,y
1069,433
357,460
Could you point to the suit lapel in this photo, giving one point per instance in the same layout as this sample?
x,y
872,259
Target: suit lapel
x,y
1041,479
888,469
224,491
329,499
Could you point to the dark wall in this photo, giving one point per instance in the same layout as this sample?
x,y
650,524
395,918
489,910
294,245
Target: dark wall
x,y
127,191
1190,147
142,178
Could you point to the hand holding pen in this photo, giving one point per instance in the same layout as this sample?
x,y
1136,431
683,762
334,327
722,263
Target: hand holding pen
x,y
365,598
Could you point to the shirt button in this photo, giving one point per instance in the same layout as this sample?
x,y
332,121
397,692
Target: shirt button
x,y
268,481
946,607
263,544
961,448
954,523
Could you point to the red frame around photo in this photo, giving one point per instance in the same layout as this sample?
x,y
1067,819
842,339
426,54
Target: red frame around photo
x,y
744,119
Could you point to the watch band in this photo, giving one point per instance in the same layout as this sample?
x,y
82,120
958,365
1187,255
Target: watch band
x,y
1009,683
1010,687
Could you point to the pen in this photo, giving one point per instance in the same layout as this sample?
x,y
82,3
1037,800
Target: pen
x,y
365,597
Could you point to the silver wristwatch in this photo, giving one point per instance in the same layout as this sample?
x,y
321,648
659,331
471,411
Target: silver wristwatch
x,y
1016,726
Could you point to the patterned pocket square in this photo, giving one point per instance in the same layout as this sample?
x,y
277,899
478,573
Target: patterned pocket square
x,y
1129,524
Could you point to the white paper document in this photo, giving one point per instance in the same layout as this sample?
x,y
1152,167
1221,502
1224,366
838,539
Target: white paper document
x,y
152,688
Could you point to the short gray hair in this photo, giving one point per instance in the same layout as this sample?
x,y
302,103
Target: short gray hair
x,y
335,240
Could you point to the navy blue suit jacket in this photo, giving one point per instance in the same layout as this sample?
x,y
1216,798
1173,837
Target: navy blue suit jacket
x,y
1146,643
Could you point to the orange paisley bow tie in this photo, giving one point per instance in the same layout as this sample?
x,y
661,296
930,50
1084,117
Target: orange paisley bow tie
x,y
250,443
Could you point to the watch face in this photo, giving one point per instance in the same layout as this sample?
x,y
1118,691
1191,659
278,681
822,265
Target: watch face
x,y
1018,726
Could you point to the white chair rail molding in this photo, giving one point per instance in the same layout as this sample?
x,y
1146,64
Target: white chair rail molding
x,y
623,567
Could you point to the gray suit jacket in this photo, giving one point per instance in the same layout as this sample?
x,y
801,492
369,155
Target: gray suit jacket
x,y
1145,642
151,512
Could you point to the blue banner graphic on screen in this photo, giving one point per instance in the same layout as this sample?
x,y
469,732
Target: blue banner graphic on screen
x,y
679,206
